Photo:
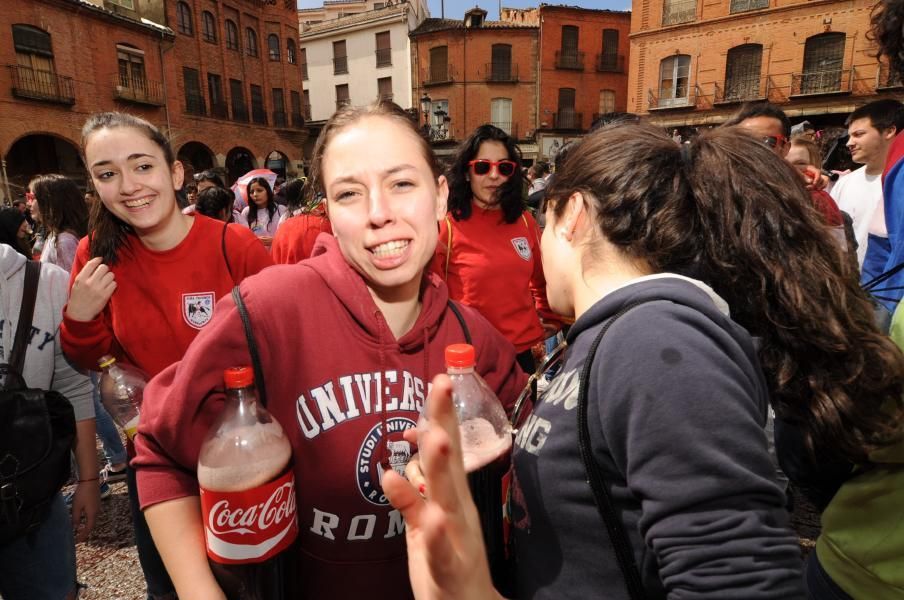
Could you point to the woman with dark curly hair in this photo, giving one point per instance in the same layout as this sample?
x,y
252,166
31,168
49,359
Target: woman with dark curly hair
x,y
489,245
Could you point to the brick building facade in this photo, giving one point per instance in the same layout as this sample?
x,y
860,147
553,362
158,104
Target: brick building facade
x,y
469,72
583,70
66,59
693,63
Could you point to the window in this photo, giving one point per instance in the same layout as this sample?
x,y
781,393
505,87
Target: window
x,y
742,73
673,81
340,59
279,108
384,88
239,108
297,118
232,35
131,69
609,59
501,114
679,11
823,62
194,101
384,49
215,92
304,64
290,51
501,65
258,113
208,27
34,71
439,64
273,46
566,117
745,5
306,104
342,98
183,17
569,57
250,42
607,101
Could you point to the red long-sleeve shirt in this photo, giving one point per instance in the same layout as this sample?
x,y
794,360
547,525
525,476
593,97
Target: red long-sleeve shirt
x,y
495,267
295,238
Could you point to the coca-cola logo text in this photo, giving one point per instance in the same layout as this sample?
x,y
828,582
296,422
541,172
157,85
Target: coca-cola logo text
x,y
225,519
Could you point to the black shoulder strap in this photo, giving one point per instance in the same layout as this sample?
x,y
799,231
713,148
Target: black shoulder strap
x,y
26,312
252,346
225,255
461,321
595,478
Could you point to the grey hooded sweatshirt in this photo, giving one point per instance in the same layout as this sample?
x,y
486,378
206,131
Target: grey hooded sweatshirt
x,y
46,366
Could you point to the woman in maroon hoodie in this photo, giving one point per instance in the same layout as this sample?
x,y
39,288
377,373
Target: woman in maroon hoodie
x,y
346,362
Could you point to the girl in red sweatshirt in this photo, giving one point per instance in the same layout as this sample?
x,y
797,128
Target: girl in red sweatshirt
x,y
489,246
349,340
145,280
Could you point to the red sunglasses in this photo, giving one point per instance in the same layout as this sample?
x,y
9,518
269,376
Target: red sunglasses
x,y
482,166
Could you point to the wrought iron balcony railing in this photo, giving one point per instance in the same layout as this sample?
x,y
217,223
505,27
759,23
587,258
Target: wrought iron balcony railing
x,y
567,119
501,72
610,63
139,90
340,65
679,11
570,60
194,105
827,81
41,85
384,57
440,74
280,118
741,89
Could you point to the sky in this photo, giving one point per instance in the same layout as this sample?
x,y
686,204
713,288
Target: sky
x,y
455,9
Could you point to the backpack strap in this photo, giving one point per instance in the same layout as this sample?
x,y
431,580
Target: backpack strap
x,y
26,312
252,345
449,249
225,255
461,320
595,477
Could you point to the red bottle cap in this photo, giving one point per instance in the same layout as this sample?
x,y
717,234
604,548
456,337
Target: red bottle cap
x,y
459,356
238,377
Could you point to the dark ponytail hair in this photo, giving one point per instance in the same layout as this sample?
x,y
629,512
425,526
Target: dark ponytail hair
x,y
253,209
510,193
62,205
887,31
725,209
108,232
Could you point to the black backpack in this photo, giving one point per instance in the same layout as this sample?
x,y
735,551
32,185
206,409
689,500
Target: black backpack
x,y
37,430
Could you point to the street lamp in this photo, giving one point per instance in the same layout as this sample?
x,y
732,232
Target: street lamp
x,y
426,102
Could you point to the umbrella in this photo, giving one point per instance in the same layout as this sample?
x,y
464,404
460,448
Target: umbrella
x,y
240,187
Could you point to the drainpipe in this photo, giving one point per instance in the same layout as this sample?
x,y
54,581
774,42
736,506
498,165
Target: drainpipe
x,y
9,198
163,78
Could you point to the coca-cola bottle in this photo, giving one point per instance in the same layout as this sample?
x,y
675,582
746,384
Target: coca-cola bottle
x,y
486,444
248,496
121,390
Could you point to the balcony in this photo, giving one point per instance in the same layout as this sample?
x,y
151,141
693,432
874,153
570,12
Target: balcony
x,y
573,61
304,71
508,127
240,113
139,91
739,6
610,63
886,79
566,118
258,115
438,133
384,57
41,85
816,83
194,104
219,110
340,65
298,121
501,72
280,118
686,100
440,74
386,97
679,11
306,111
741,89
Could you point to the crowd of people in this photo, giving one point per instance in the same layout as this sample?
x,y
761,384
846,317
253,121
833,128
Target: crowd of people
x,y
729,315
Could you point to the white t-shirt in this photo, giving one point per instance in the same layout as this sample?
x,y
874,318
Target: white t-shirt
x,y
860,195
265,226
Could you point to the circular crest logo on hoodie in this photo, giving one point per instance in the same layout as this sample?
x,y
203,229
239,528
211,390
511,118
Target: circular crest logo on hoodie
x,y
368,466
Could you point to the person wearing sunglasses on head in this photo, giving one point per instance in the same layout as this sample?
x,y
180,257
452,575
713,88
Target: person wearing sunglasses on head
x,y
489,245
769,124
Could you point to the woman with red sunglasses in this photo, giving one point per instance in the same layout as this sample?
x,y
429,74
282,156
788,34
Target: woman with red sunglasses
x,y
489,245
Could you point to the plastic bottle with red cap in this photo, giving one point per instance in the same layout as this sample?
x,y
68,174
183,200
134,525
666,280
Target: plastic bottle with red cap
x,y
486,443
248,496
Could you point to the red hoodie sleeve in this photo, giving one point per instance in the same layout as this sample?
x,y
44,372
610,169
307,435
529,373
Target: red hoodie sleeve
x,y
295,239
438,265
538,281
181,403
84,342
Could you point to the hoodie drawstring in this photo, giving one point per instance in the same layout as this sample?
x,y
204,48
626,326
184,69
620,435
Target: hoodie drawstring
x,y
384,454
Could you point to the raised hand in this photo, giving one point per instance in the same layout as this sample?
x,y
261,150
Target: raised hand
x,y
90,291
446,556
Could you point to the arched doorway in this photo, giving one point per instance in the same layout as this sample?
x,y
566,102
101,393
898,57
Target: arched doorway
x,y
277,162
38,153
196,154
238,162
